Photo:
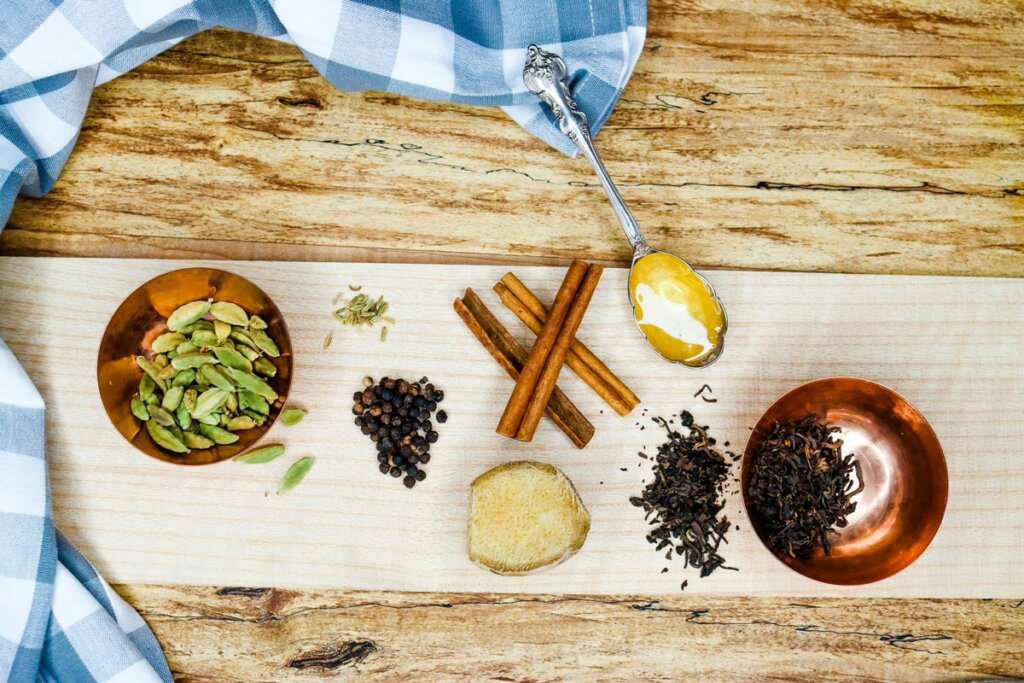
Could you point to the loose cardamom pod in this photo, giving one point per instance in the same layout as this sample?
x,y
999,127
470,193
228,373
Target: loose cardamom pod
x,y
139,409
262,455
265,343
184,378
217,435
165,438
172,399
187,314
192,360
221,329
148,366
233,314
232,358
295,474
197,441
167,342
264,367
209,401
240,423
292,416
182,416
249,382
211,374
162,416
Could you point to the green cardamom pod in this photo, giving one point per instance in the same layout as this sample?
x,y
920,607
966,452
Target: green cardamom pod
x,y
264,367
256,417
189,399
240,423
152,400
232,358
204,338
252,383
222,330
182,416
184,378
295,474
250,353
187,314
172,399
257,323
211,374
247,400
217,435
168,372
261,455
167,342
209,401
231,405
197,441
242,337
160,415
211,419
186,347
165,438
265,343
292,416
192,360
139,409
148,366
233,314
146,387
161,360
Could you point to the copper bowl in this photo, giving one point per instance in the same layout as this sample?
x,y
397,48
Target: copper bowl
x,y
904,477
143,316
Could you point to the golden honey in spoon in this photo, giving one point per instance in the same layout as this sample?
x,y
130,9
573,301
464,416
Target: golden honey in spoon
x,y
676,309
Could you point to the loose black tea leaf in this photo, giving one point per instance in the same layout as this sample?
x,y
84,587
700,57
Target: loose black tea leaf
x,y
800,486
685,501
706,399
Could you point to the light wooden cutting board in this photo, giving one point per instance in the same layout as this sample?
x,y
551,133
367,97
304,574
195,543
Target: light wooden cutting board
x,y
952,346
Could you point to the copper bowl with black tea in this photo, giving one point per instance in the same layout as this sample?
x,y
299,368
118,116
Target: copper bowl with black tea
x,y
143,316
903,472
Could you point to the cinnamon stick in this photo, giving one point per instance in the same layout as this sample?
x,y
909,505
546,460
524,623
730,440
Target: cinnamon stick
x,y
533,305
556,357
597,378
511,356
526,385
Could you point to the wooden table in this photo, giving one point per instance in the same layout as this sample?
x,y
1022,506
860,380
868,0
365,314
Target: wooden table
x,y
862,136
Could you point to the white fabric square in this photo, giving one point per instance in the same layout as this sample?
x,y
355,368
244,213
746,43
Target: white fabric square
x,y
312,25
38,57
425,55
145,13
46,131
71,601
16,597
23,484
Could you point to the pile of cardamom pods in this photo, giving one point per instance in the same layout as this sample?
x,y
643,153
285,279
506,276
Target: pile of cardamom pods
x,y
206,379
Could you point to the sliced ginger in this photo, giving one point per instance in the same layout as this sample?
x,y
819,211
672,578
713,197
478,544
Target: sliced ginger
x,y
524,516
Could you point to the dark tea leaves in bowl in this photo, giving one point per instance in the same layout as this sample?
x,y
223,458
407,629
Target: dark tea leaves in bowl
x,y
801,486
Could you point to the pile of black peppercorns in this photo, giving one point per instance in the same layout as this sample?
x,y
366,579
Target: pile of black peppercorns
x,y
395,414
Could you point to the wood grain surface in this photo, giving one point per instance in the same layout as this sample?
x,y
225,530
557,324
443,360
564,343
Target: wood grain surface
x,y
143,520
864,136
234,633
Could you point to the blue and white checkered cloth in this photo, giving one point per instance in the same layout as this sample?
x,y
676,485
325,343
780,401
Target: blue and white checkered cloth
x,y
59,621
54,52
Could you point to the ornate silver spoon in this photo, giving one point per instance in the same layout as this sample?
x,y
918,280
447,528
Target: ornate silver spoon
x,y
679,314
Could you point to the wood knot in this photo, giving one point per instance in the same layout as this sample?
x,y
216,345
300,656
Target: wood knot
x,y
243,591
301,102
332,657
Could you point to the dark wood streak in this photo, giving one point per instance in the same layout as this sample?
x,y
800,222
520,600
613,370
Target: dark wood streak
x,y
334,656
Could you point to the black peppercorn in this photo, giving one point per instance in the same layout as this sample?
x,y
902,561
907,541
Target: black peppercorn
x,y
431,437
421,475
384,468
442,416
396,472
409,482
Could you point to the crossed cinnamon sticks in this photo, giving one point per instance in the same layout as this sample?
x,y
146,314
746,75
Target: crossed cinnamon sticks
x,y
536,373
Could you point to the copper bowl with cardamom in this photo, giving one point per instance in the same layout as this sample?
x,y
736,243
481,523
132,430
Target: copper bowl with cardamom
x,y
902,471
142,317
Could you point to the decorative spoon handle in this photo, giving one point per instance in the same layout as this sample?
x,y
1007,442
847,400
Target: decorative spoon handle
x,y
546,77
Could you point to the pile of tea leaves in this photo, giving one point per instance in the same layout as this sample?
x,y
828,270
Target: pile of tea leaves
x,y
684,502
800,486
